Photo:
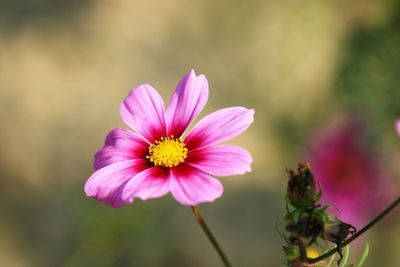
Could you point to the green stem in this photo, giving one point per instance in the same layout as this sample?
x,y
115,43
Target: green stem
x,y
303,251
356,235
210,236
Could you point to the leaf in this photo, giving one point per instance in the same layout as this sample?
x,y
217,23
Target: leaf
x,y
281,235
279,232
346,255
331,259
324,217
296,215
319,195
364,255
287,207
288,201
324,208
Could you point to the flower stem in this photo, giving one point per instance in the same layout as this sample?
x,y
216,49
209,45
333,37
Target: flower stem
x,y
303,251
356,235
210,236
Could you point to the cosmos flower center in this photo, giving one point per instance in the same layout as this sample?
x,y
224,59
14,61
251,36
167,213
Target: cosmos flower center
x,y
167,152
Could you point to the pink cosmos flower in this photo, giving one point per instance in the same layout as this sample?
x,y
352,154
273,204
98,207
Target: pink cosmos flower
x,y
154,159
348,172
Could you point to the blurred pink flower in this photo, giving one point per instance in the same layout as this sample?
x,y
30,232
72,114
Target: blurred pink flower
x,y
350,176
154,160
398,127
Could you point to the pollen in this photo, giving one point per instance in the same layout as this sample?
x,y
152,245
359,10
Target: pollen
x,y
167,152
312,253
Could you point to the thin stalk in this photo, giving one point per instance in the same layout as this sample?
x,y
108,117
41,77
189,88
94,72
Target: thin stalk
x,y
210,236
356,235
303,251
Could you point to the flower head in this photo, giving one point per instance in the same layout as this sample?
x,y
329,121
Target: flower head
x,y
154,159
349,174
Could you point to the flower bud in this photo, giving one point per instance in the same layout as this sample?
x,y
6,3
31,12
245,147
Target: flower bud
x,y
306,230
338,233
301,186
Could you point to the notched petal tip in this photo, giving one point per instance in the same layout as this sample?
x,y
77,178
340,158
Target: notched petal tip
x,y
187,101
192,72
250,113
143,111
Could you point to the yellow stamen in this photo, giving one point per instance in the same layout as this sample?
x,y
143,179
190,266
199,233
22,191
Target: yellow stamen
x,y
167,152
312,253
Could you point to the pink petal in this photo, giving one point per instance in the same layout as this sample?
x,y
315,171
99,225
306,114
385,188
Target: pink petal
x,y
188,100
120,145
219,126
151,183
143,111
107,183
398,127
191,186
223,160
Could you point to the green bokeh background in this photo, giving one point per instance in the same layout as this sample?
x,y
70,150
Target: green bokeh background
x,y
65,67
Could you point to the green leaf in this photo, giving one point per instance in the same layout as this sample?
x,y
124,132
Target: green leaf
x,y
346,255
287,200
319,195
296,215
324,208
324,217
281,234
291,252
287,207
364,255
331,259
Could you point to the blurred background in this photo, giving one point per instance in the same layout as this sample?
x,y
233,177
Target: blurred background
x,y
322,76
